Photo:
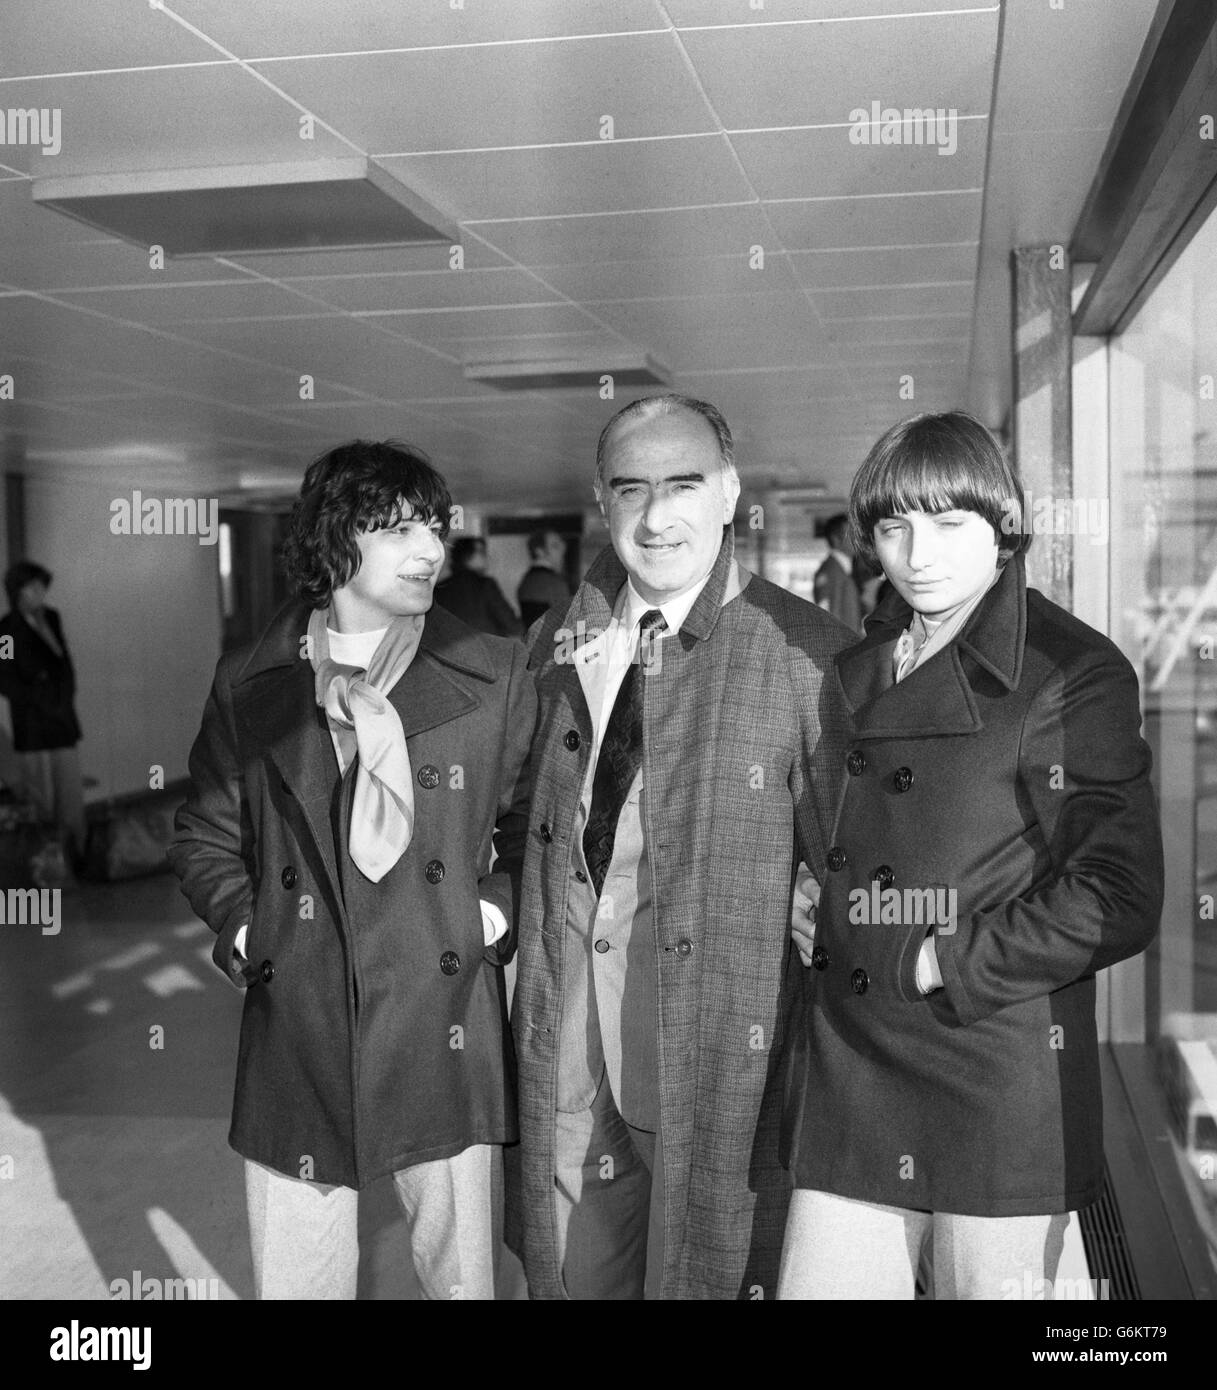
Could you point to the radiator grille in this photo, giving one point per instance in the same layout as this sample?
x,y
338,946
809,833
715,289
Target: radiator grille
x,y
1105,1246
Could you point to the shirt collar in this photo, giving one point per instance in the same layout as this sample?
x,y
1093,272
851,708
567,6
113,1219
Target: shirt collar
x,y
845,561
675,611
935,633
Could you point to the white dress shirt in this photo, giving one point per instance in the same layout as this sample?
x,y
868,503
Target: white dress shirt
x,y
603,662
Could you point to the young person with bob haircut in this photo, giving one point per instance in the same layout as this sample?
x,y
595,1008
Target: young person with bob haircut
x,y
996,844
354,767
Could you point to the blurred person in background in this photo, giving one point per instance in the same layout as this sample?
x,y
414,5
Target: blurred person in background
x,y
835,586
471,594
873,584
545,584
37,679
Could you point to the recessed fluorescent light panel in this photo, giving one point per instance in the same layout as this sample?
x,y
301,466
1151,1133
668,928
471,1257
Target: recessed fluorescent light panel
x,y
626,369
319,204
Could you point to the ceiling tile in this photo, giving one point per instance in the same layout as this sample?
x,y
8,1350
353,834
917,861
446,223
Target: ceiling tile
x,y
381,260
87,35
475,98
628,236
169,303
858,223
174,118
782,75
735,273
887,301
863,267
823,164
686,13
457,289
288,27
608,176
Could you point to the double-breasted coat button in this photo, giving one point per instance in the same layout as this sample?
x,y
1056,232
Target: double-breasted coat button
x,y
428,776
288,877
819,958
546,833
903,778
684,947
580,875
883,876
434,871
267,971
571,739
601,946
836,857
450,962
856,763
859,981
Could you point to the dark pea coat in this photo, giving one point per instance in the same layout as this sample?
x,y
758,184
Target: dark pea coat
x,y
40,685
374,1034
1009,768
743,751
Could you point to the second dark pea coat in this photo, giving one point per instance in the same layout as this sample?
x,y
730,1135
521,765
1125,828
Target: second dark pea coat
x,y
1008,768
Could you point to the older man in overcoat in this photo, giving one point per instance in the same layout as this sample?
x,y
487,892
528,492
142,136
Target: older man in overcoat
x,y
688,755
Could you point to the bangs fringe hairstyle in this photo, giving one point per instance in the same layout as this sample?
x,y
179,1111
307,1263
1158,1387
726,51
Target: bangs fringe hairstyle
x,y
360,486
937,463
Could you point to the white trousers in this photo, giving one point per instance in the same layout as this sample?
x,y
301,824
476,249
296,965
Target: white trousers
x,y
52,778
838,1248
304,1235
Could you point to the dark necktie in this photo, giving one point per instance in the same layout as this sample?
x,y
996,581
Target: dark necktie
x,y
619,760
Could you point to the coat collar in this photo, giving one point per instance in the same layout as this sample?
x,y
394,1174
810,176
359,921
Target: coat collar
x,y
274,695
593,604
936,698
445,638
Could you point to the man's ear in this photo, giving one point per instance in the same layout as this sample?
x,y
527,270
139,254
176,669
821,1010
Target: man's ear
x,y
731,491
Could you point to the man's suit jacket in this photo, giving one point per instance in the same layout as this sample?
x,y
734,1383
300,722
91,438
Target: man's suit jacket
x,y
835,590
478,601
743,757
539,590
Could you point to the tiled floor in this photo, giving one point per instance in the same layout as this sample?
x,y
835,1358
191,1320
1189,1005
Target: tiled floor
x,y
114,1161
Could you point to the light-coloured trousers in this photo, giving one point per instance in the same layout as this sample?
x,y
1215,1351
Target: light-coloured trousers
x,y
608,1201
838,1248
304,1235
52,778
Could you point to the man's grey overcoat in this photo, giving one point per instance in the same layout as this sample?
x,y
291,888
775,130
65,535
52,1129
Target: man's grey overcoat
x,y
743,757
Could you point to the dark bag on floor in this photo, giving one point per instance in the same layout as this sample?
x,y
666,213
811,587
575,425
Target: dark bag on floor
x,y
128,836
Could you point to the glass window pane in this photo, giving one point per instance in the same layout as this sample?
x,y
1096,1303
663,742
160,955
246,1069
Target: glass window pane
x,y
1164,616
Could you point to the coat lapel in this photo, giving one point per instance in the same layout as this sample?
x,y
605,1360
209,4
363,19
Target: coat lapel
x,y
276,711
591,611
936,698
275,704
428,695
